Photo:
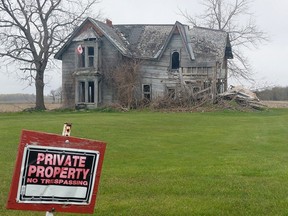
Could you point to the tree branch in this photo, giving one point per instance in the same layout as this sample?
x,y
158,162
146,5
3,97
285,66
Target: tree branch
x,y
224,15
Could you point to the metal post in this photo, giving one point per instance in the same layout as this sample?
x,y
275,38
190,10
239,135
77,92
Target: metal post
x,y
49,214
66,132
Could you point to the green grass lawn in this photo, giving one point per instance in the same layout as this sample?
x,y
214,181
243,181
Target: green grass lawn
x,y
223,163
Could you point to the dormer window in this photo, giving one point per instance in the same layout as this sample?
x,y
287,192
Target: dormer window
x,y
175,59
85,55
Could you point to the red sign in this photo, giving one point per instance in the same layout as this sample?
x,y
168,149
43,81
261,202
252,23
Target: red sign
x,y
56,173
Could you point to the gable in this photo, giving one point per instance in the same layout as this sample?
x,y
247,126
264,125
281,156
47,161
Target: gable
x,y
90,29
182,30
86,35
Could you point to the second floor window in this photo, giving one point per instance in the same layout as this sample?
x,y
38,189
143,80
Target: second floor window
x,y
175,60
85,56
90,56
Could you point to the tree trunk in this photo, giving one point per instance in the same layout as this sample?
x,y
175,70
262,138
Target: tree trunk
x,y
39,83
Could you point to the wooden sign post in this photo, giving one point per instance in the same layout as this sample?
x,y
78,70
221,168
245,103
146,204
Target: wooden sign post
x,y
56,173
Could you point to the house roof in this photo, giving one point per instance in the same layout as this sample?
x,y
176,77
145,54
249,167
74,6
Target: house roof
x,y
144,41
210,43
150,41
113,36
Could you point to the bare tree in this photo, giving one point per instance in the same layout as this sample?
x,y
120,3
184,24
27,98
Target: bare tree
x,y
59,94
232,16
32,30
53,95
125,78
56,95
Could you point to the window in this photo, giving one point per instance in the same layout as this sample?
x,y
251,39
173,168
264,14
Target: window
x,y
171,93
207,84
196,89
147,92
86,90
86,57
175,60
81,58
81,91
90,92
90,56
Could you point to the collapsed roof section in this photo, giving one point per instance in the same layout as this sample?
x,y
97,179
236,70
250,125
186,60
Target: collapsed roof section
x,y
150,41
210,43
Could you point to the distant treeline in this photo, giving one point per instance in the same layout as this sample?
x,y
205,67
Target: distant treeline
x,y
275,94
21,98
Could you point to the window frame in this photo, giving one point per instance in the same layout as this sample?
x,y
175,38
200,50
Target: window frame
x,y
81,91
90,56
147,95
86,92
83,60
175,65
91,92
171,92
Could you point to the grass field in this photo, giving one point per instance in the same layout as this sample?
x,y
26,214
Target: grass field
x,y
223,163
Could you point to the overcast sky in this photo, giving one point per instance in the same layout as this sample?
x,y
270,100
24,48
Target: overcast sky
x,y
268,61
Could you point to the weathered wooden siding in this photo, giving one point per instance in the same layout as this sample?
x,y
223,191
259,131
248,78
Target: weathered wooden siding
x,y
159,73
68,83
110,58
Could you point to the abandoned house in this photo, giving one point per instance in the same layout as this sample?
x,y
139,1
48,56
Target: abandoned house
x,y
172,57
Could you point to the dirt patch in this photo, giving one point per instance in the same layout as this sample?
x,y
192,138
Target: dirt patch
x,y
18,107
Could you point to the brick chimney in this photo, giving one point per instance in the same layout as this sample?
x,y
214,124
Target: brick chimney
x,y
109,22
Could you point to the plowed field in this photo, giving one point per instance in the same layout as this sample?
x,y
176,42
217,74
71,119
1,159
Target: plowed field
x,y
15,107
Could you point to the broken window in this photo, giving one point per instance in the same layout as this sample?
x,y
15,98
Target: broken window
x,y
90,56
207,84
196,89
86,92
81,91
175,60
91,92
147,92
171,93
81,58
86,57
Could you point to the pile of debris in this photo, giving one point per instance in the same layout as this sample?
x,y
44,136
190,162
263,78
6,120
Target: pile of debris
x,y
243,97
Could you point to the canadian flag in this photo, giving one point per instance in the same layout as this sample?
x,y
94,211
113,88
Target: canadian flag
x,y
79,49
